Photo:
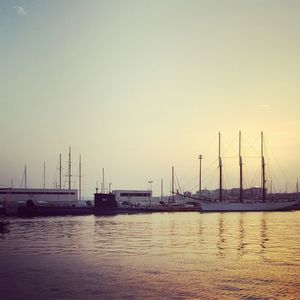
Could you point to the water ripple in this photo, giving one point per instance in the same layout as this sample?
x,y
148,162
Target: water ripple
x,y
175,255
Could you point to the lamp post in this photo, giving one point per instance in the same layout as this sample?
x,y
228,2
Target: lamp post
x,y
200,158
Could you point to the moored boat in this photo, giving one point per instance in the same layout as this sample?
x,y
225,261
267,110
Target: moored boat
x,y
242,204
247,206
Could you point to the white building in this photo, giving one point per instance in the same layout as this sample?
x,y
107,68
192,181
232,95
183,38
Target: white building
x,y
144,198
133,197
11,198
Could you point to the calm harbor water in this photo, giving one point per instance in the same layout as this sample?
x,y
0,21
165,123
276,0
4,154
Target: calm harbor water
x,y
152,256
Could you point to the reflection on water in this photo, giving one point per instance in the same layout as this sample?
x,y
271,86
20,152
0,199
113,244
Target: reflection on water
x,y
242,244
3,229
264,235
221,241
163,255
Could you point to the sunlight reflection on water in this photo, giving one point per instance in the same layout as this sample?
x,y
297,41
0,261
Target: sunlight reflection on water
x,y
162,255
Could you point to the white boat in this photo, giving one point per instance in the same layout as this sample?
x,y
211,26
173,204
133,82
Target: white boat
x,y
246,206
263,204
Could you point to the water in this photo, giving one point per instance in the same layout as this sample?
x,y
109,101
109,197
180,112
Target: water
x,y
152,256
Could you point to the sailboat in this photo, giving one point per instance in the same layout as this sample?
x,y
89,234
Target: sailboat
x,y
263,204
41,201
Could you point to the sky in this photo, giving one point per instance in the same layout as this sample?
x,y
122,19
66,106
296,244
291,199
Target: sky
x,y
137,87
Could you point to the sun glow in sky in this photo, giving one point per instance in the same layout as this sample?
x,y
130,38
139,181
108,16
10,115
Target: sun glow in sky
x,y
138,86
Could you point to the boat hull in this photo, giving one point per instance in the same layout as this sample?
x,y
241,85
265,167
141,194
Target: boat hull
x,y
247,206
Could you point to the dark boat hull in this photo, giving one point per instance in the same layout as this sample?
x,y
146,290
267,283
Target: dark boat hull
x,y
46,211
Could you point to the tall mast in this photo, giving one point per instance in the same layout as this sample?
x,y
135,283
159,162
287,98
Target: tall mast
x,y
103,181
220,169
161,188
25,176
60,171
173,183
297,190
241,167
263,180
200,175
44,181
69,173
79,177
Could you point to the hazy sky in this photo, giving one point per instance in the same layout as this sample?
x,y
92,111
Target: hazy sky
x,y
139,86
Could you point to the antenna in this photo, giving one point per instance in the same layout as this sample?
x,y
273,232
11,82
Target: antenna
x,y
25,176
241,166
79,177
103,182
60,171
161,188
220,169
44,185
69,173
263,168
97,188
173,183
297,190
200,158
